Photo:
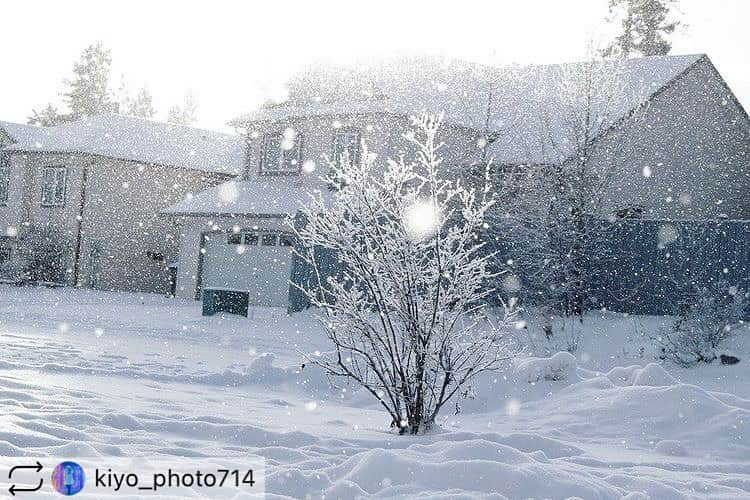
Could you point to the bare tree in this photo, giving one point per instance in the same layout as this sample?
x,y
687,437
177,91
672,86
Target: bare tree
x,y
405,313
553,210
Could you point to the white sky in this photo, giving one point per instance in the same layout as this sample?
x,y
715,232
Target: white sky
x,y
231,54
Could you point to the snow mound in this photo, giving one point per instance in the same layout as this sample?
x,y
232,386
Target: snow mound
x,y
642,406
473,467
671,447
652,375
560,366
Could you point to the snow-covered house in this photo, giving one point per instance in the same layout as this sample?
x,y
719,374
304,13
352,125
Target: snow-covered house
x,y
674,137
97,186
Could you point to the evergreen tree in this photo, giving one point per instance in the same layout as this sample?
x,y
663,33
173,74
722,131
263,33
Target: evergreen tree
x,y
186,114
140,106
48,117
645,26
88,93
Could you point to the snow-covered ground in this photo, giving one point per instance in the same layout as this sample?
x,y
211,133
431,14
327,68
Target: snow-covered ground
x,y
86,373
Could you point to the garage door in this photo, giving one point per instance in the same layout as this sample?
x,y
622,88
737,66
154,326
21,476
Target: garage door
x,y
256,262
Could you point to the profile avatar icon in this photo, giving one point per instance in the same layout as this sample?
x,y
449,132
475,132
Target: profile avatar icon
x,y
68,478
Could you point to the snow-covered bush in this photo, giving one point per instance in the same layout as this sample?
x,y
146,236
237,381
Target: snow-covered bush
x,y
707,317
560,366
39,257
405,313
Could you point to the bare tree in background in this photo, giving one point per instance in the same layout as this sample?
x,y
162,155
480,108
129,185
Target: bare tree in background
x,y
552,211
405,314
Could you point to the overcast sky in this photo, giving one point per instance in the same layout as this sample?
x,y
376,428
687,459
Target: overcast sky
x,y
232,54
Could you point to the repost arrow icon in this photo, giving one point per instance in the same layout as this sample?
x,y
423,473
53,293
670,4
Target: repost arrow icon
x,y
13,488
37,467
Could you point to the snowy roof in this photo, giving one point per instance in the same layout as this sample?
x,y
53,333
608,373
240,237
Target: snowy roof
x,y
141,140
262,196
528,105
22,133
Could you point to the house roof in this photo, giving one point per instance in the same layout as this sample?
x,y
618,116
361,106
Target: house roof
x,y
21,133
261,197
140,140
528,106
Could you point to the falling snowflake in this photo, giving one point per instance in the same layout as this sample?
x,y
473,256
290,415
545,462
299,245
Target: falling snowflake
x,y
308,166
421,220
228,192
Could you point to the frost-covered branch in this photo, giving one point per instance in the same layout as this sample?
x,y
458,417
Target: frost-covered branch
x,y
405,309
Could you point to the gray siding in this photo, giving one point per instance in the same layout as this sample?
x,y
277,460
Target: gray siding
x,y
696,141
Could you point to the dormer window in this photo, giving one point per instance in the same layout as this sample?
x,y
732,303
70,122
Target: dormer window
x,y
281,153
346,144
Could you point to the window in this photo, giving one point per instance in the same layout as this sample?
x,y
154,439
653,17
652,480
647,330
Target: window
x,y
285,240
53,186
268,240
4,178
251,239
346,144
630,212
255,238
281,153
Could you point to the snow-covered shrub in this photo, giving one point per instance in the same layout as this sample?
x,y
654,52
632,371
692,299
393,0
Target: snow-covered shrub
x,y
405,313
40,256
560,366
707,316
14,269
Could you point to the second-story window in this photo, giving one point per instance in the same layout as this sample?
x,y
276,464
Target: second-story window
x,y
4,179
346,145
53,186
281,153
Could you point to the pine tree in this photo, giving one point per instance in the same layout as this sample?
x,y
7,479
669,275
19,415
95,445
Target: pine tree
x,y
88,93
140,106
48,117
645,26
187,114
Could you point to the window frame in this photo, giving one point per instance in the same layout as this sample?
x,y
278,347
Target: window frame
x,y
335,143
56,169
274,139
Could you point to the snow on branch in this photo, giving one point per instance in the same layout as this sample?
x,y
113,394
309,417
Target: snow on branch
x,y
405,311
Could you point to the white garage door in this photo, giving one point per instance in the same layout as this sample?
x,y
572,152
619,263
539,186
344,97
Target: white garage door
x,y
256,262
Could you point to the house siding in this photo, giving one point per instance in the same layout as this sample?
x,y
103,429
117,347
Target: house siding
x,y
695,140
119,224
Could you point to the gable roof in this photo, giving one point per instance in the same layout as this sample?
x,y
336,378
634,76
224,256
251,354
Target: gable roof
x,y
141,140
526,105
18,132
